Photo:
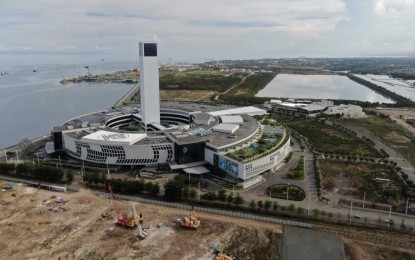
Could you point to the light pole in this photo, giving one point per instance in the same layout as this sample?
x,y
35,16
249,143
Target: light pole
x,y
407,204
37,154
108,171
364,198
389,217
198,197
17,155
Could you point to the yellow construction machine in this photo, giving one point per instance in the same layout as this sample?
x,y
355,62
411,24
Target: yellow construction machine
x,y
191,221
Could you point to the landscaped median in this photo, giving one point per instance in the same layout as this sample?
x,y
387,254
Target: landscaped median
x,y
298,172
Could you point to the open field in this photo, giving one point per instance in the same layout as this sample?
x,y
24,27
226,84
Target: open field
x,y
186,95
356,178
252,84
77,230
327,139
197,81
387,131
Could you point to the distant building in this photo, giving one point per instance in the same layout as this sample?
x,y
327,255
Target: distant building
x,y
348,111
302,109
149,84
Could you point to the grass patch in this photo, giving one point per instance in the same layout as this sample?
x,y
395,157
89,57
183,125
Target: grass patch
x,y
354,179
297,173
279,191
197,81
387,131
253,84
327,139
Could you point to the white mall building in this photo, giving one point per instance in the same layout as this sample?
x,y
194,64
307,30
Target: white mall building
x,y
178,135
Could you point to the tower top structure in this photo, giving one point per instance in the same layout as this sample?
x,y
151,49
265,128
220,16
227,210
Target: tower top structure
x,y
149,84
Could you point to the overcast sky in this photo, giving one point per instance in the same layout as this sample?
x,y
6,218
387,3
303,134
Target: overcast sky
x,y
57,31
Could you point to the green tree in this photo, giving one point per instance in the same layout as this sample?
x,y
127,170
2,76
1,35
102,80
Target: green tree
x,y
229,199
260,204
267,205
192,194
323,214
300,211
69,176
291,207
6,168
155,190
252,205
238,200
222,195
316,212
173,190
275,206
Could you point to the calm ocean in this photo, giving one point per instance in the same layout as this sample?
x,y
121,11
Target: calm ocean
x,y
31,103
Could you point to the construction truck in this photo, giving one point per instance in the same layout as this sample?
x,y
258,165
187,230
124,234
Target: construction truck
x,y
127,219
191,221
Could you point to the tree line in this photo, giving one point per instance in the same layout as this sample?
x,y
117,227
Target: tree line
x,y
35,171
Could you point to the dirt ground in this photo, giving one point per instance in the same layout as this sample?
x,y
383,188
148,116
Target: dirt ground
x,y
77,230
400,115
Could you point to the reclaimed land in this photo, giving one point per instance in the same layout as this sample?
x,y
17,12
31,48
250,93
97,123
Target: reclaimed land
x,y
329,140
387,131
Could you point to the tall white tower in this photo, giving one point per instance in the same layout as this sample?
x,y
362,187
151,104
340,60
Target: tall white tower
x,y
149,84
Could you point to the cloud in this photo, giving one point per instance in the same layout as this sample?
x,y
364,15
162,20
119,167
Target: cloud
x,y
66,47
195,30
382,6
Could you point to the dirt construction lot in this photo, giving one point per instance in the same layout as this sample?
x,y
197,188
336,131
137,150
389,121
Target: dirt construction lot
x,y
77,230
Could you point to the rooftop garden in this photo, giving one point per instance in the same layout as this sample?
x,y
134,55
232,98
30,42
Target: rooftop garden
x,y
266,145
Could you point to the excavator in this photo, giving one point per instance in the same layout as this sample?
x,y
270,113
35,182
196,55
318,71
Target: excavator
x,y
127,220
221,255
191,221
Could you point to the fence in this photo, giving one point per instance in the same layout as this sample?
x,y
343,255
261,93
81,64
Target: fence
x,y
210,210
5,178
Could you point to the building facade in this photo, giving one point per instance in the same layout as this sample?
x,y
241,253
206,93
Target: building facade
x,y
149,84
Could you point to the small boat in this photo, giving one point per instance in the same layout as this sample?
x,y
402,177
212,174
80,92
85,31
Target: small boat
x,y
34,70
